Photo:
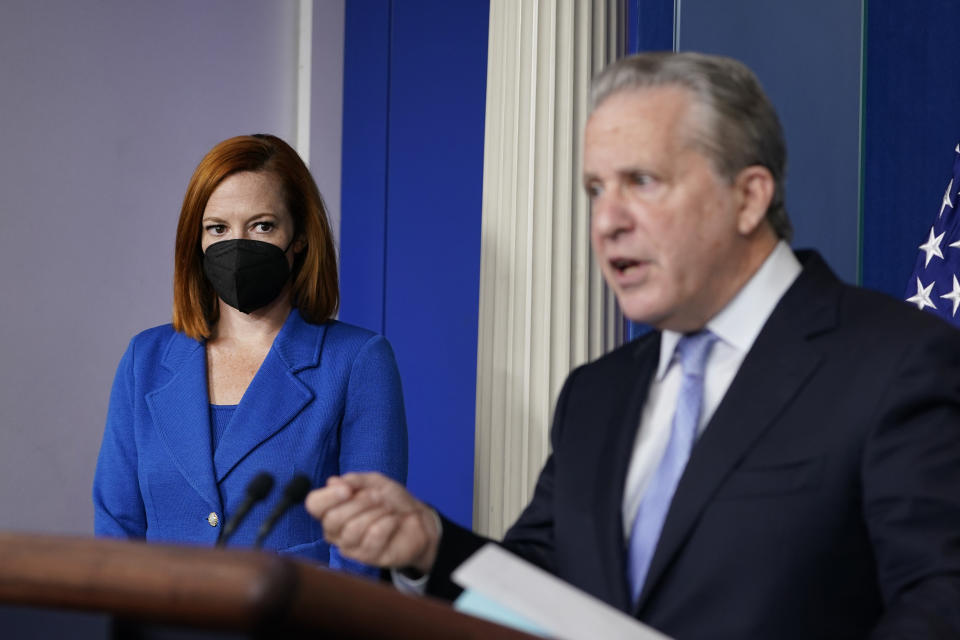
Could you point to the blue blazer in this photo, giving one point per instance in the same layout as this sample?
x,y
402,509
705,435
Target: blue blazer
x,y
325,401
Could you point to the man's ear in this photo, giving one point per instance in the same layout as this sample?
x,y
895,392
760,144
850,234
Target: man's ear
x,y
753,188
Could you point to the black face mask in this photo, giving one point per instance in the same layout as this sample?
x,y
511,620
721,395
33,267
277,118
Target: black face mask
x,y
246,274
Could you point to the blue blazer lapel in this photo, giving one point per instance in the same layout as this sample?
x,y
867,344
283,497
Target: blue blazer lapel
x,y
275,396
774,371
181,414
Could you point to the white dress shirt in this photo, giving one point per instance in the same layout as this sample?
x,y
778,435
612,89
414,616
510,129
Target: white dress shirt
x,y
737,326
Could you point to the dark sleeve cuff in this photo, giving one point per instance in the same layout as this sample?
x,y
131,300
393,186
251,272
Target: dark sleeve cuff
x,y
456,545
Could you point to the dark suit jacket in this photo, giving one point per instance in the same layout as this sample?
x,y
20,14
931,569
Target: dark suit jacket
x,y
821,501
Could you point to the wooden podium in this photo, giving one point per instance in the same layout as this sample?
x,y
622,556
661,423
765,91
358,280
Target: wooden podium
x,y
240,592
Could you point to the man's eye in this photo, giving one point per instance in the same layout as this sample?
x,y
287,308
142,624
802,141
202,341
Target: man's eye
x,y
593,190
641,179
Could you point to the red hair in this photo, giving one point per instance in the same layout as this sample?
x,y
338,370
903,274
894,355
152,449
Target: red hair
x,y
315,289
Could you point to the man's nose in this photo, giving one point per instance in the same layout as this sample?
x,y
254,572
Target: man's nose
x,y
610,215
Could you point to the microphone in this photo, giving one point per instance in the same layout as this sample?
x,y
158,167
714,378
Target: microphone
x,y
295,492
256,490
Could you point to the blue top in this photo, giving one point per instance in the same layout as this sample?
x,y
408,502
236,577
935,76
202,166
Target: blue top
x,y
325,401
220,417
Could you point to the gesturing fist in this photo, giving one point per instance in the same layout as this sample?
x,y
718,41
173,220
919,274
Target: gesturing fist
x,y
374,520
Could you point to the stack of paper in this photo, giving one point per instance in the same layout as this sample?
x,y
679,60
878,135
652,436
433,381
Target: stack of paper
x,y
508,590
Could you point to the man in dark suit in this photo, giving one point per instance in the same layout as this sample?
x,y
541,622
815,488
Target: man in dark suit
x,y
780,459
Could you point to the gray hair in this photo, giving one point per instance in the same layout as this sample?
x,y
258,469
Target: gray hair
x,y
741,126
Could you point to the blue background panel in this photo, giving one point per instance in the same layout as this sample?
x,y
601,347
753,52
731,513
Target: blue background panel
x,y
650,25
363,200
911,126
410,245
435,183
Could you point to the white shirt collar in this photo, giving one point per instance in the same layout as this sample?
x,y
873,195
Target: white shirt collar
x,y
739,323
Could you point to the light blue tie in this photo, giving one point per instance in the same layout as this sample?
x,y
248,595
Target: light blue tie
x,y
693,350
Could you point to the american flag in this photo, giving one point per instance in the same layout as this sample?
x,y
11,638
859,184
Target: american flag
x,y
934,285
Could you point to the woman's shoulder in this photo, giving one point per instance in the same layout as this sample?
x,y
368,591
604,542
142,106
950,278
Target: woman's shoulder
x,y
339,350
159,333
339,330
349,338
156,342
365,355
350,341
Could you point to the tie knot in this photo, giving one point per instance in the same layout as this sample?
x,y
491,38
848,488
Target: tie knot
x,y
693,349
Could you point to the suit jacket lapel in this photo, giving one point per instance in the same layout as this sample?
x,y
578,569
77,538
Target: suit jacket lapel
x,y
751,404
181,413
275,396
614,463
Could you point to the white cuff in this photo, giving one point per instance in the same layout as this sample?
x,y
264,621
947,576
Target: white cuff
x,y
415,586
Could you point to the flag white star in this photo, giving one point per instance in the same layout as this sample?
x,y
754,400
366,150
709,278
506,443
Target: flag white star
x,y
946,198
922,297
932,247
954,296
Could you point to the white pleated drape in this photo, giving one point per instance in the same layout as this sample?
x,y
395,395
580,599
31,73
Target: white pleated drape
x,y
543,305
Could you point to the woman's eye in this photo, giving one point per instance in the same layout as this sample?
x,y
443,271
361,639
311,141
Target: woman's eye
x,y
264,227
216,229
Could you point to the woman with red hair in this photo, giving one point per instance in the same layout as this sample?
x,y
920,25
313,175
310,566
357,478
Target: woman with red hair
x,y
253,374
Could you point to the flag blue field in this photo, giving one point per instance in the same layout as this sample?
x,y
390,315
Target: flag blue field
x,y
934,285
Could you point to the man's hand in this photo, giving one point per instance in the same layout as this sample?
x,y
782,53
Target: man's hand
x,y
374,520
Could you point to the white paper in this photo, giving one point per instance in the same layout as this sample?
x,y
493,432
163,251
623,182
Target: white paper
x,y
564,611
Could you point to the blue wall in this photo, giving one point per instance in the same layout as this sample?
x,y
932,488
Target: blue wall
x,y
650,25
911,126
414,103
807,56
363,190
